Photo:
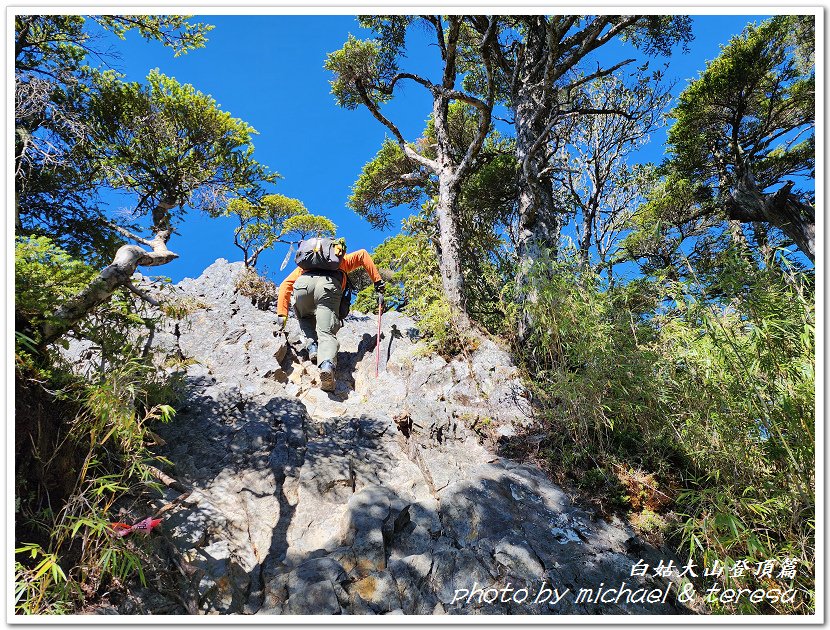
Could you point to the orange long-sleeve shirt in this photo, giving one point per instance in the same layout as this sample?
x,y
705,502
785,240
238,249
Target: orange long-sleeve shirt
x,y
350,262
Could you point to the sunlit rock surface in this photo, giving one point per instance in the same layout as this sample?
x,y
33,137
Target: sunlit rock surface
x,y
386,496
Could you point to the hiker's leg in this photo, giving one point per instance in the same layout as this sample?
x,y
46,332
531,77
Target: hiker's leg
x,y
327,294
305,306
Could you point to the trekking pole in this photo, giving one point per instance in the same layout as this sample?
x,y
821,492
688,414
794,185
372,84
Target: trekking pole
x,y
377,343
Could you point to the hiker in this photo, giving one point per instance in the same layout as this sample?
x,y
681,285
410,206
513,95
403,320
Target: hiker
x,y
318,286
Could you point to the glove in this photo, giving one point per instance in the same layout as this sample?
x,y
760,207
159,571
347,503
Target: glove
x,y
281,321
380,286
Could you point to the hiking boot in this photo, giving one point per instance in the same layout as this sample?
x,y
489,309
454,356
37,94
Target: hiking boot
x,y
327,376
312,352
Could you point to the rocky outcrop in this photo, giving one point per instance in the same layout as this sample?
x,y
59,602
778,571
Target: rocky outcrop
x,y
382,497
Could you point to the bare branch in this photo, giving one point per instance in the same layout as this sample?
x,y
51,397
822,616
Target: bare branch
x,y
466,98
141,294
549,170
388,89
435,20
598,74
450,63
410,153
592,111
485,109
591,39
125,232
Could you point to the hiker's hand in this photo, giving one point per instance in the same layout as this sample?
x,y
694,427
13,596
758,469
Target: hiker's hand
x,y
281,320
380,286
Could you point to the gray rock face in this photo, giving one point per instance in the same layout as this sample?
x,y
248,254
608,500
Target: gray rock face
x,y
378,498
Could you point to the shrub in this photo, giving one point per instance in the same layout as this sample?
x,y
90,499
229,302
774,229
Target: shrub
x,y
701,392
80,441
263,292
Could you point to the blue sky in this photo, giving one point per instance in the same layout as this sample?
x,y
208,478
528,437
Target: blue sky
x,y
268,70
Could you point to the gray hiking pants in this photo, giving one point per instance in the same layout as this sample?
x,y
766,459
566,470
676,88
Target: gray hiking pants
x,y
316,304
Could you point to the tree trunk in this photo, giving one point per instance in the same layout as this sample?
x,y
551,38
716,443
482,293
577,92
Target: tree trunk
x,y
452,278
587,235
116,274
759,229
796,219
781,209
539,222
18,226
738,236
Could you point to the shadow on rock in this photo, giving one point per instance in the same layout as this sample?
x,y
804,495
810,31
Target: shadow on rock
x,y
379,499
507,543
235,450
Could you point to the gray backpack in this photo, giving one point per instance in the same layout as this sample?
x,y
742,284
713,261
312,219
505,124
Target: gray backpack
x,y
317,254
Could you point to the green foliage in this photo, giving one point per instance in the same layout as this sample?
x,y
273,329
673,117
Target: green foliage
x,y
391,179
302,226
358,68
484,210
390,37
173,31
363,69
45,276
415,289
164,140
102,453
649,522
386,182
120,408
658,34
273,219
367,73
707,384
59,43
671,215
595,378
83,442
415,271
742,130
57,170
755,361
743,106
50,43
37,588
